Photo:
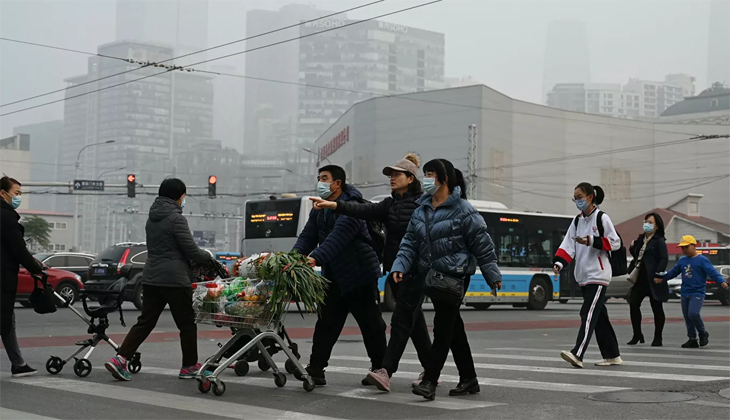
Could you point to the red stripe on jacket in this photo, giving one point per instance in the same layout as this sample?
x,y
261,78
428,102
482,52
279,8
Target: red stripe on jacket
x,y
564,255
606,244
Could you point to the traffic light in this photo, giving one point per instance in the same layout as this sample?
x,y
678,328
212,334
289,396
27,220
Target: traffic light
x,y
131,185
212,181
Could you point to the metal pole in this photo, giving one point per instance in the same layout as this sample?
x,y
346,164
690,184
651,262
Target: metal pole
x,y
228,238
108,219
76,208
114,229
472,156
238,230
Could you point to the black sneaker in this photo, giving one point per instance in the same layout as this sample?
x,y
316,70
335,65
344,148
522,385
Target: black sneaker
x,y
691,344
317,375
704,339
21,371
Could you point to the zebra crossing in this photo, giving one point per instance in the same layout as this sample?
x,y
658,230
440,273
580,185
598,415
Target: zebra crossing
x,y
537,372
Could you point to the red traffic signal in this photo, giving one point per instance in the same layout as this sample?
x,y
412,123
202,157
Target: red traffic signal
x,y
131,178
131,185
212,179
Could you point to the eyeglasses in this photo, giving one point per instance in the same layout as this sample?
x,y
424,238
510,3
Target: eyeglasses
x,y
578,198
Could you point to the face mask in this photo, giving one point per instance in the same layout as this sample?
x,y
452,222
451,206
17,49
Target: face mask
x,y
581,204
323,189
429,186
15,202
648,228
182,205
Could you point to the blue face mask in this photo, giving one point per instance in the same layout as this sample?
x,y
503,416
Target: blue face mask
x,y
15,202
182,205
648,227
581,204
323,190
429,186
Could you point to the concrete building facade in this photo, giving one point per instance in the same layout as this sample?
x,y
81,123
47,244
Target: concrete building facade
x,y
530,157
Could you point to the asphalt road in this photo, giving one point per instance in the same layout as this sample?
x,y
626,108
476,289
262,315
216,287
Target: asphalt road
x,y
516,352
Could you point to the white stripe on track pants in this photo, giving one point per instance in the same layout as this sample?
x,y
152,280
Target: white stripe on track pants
x,y
594,317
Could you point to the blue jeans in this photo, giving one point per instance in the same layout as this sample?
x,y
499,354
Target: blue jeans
x,y
691,307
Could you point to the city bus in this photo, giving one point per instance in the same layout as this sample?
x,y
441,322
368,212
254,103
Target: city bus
x,y
525,243
228,259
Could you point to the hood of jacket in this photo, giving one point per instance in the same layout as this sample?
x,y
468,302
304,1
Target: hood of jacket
x,y
454,198
7,207
350,193
163,207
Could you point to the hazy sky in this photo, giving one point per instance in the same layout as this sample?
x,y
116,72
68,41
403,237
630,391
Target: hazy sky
x,y
498,43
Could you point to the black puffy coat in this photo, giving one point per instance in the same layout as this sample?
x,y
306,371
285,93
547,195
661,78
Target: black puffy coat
x,y
654,261
341,246
394,212
13,251
170,246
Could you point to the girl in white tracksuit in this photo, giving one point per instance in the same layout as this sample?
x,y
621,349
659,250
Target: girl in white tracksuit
x,y
589,245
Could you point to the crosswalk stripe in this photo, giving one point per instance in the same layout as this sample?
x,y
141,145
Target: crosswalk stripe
x,y
357,393
8,414
505,383
617,373
626,362
630,354
160,399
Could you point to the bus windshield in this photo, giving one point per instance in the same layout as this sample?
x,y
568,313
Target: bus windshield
x,y
272,218
717,256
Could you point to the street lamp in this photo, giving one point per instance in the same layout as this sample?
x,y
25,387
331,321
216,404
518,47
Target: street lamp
x,y
308,150
299,175
110,171
76,206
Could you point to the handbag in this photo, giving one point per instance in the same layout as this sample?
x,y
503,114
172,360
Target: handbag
x,y
438,286
634,272
42,297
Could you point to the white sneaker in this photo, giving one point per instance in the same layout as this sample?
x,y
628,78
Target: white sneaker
x,y
572,359
609,362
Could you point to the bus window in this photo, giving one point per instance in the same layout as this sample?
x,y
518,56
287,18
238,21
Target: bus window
x,y
511,246
539,247
272,218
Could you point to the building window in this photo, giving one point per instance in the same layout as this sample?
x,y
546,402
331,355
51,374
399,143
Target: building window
x,y
59,247
714,103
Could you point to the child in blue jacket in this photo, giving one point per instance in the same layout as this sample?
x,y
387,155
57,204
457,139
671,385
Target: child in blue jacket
x,y
695,270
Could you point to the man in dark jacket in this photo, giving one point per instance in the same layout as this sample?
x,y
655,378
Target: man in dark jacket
x,y
14,254
340,246
166,280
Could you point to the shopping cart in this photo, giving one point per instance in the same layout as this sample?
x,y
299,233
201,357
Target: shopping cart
x,y
246,313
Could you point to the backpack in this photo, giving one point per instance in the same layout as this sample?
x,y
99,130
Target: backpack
x,y
377,234
619,266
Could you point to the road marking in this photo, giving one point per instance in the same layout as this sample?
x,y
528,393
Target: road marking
x,y
369,393
202,406
615,371
708,403
593,354
8,414
626,362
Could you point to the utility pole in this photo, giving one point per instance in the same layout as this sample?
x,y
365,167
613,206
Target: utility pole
x,y
472,157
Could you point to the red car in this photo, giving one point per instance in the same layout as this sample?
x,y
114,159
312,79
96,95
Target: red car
x,y
65,283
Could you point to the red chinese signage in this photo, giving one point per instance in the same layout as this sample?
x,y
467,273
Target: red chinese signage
x,y
333,145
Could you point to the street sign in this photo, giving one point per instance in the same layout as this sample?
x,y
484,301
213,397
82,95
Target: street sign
x,y
86,185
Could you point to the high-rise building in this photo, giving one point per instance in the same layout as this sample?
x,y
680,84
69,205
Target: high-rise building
x,y
567,58
718,45
137,116
181,24
636,99
361,61
44,152
268,102
15,161
228,108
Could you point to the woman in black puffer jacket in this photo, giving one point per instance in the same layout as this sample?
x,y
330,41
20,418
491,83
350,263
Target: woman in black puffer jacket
x,y
395,213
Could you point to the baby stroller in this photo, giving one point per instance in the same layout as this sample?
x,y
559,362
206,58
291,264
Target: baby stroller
x,y
110,300
206,273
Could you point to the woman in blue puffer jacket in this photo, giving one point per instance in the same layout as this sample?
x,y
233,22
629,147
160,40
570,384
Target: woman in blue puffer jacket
x,y
458,236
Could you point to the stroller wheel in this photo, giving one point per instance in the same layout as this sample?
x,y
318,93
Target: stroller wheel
x,y
290,366
241,368
82,368
54,365
263,364
134,366
219,388
308,385
204,386
280,379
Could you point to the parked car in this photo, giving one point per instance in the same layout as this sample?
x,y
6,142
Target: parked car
x,y
65,283
75,262
106,269
714,290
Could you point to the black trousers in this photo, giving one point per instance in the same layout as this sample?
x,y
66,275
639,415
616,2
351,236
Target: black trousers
x,y
181,307
641,290
363,306
406,322
594,317
449,333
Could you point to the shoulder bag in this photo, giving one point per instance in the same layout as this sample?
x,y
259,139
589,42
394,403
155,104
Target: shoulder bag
x,y
438,286
634,274
42,297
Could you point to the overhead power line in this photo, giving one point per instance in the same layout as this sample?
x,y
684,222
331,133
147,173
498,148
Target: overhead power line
x,y
170,59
